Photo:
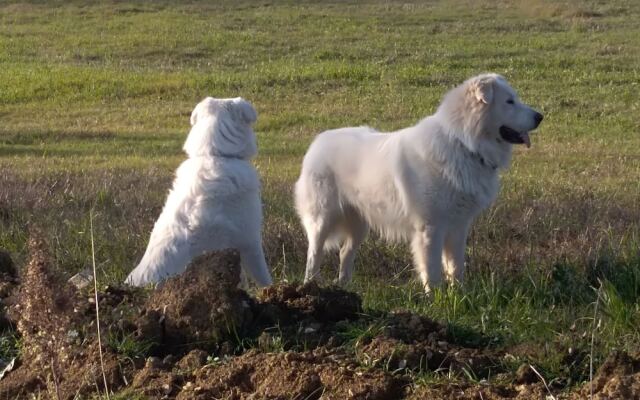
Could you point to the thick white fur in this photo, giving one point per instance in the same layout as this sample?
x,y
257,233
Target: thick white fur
x,y
215,200
424,184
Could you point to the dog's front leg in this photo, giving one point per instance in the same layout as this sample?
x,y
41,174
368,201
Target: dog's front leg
x,y
454,247
427,245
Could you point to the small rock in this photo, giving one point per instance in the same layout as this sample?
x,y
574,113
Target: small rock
x,y
82,279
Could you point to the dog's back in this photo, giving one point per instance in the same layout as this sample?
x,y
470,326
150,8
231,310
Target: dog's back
x,y
215,200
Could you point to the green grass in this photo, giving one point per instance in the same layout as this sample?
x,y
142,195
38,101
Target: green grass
x,y
95,101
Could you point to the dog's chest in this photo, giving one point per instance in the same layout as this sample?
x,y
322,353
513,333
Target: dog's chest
x,y
464,205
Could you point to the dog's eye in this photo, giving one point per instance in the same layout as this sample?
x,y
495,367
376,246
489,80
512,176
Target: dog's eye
x,y
510,101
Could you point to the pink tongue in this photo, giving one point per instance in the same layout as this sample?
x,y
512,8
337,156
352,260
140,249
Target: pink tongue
x,y
525,137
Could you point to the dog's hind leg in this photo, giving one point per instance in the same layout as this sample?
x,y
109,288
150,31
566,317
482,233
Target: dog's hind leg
x,y
253,262
356,230
427,246
317,233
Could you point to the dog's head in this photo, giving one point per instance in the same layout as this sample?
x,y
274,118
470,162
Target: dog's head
x,y
222,127
507,117
488,114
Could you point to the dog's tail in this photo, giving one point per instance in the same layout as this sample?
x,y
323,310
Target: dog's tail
x,y
319,206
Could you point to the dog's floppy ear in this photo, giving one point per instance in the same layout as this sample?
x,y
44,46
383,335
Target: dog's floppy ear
x,y
243,111
482,88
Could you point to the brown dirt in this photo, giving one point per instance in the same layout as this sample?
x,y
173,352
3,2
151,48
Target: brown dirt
x,y
617,378
324,305
304,313
200,308
465,391
50,327
156,380
198,326
291,375
418,343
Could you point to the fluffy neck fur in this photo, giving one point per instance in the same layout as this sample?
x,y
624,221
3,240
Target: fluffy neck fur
x,y
464,118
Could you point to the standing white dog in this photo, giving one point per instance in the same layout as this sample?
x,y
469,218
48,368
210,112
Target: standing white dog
x,y
425,183
215,201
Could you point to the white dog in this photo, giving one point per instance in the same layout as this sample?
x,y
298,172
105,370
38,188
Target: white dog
x,y
424,184
215,201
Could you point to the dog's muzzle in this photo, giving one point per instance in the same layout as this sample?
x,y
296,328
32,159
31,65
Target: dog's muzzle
x,y
514,137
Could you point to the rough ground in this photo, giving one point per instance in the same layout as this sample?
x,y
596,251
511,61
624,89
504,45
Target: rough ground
x,y
200,337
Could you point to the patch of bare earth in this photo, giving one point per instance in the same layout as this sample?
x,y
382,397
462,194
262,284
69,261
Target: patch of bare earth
x,y
200,308
617,378
53,358
418,343
291,375
195,330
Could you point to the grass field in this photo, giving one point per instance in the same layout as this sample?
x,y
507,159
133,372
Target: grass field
x,y
95,103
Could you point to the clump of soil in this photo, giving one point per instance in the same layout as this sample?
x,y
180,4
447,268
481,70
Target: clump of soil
x,y
466,391
617,378
291,375
295,303
157,380
418,343
200,308
304,313
51,329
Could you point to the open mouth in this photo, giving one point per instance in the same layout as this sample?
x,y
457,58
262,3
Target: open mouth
x,y
515,137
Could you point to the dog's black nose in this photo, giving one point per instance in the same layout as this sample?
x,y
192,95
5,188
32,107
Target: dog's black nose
x,y
538,117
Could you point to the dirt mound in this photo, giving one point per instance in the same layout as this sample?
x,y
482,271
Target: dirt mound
x,y
304,313
290,375
156,380
200,308
297,303
465,391
617,378
410,327
51,329
189,340
418,343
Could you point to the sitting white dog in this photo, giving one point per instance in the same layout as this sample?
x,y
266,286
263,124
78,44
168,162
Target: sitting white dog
x,y
215,201
424,184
